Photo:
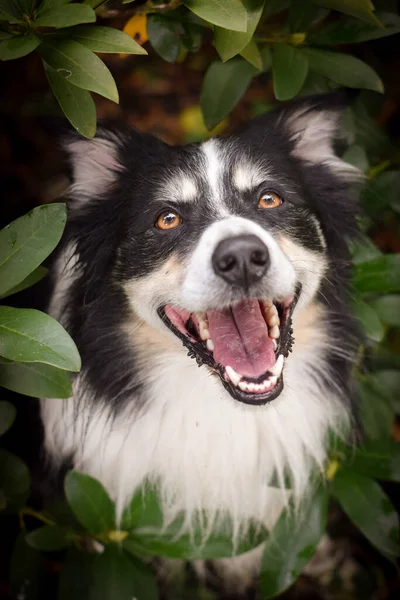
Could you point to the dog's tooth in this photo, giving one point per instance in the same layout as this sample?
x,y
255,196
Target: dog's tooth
x,y
201,316
278,366
274,332
251,387
204,331
275,344
243,385
210,345
233,376
273,380
257,387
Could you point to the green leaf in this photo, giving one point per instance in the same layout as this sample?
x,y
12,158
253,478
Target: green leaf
x,y
369,320
230,15
343,68
117,576
357,156
364,250
388,309
368,507
230,43
380,275
76,104
76,576
65,16
79,66
14,478
379,459
375,408
165,36
292,543
50,538
289,71
28,335
7,416
27,241
303,15
223,86
252,54
10,11
362,9
352,31
27,572
388,381
19,46
266,58
90,502
103,39
381,192
33,278
35,379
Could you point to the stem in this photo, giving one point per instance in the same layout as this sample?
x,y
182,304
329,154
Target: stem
x,y
375,171
34,513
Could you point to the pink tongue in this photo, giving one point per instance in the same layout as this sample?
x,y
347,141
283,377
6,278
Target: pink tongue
x,y
240,337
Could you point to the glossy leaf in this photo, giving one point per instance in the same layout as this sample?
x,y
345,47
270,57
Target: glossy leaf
x,y
19,46
304,14
50,538
90,502
369,320
65,16
103,39
116,576
380,275
231,15
10,11
368,507
362,9
357,157
292,543
76,576
76,104
289,71
27,571
375,408
379,459
33,278
27,241
14,478
364,250
79,66
388,380
345,69
381,192
165,36
35,379
253,55
7,416
28,335
230,43
352,31
388,309
223,86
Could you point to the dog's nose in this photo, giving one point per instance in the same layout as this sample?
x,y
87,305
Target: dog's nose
x,y
241,260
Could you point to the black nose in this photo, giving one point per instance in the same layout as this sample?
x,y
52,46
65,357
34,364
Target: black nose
x,y
241,260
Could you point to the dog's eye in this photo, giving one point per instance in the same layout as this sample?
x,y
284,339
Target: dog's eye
x,y
168,220
269,200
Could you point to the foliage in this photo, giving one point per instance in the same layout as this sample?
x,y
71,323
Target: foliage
x,y
302,47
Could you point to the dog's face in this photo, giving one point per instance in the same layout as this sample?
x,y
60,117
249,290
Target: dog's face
x,y
217,245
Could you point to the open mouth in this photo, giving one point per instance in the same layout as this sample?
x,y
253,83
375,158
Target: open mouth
x,y
245,344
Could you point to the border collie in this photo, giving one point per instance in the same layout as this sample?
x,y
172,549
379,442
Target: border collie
x,y
205,287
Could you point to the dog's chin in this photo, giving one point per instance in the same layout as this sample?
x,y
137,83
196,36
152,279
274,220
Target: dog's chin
x,y
245,344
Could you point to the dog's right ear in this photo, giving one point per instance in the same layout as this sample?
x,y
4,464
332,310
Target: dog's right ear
x,y
94,163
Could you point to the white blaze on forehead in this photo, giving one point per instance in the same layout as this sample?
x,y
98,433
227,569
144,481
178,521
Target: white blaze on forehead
x,y
247,176
180,188
214,167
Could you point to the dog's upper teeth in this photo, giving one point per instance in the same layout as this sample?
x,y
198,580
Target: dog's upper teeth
x,y
278,366
272,316
210,345
274,332
275,344
203,326
233,375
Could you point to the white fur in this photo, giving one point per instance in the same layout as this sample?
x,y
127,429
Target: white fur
x,y
247,176
180,188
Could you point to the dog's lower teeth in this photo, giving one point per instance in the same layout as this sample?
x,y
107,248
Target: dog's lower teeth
x,y
233,376
210,345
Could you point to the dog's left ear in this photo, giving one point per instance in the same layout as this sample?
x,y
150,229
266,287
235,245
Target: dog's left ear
x,y
312,125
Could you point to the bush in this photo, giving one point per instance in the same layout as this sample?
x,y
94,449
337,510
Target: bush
x,y
295,44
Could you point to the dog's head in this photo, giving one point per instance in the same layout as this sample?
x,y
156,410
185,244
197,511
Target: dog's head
x,y
217,244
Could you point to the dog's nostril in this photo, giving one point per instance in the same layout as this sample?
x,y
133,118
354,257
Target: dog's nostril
x,y
241,260
226,263
258,257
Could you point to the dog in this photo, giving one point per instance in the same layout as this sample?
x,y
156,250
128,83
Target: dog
x,y
206,288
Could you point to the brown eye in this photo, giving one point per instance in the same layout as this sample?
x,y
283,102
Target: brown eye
x,y
270,200
168,220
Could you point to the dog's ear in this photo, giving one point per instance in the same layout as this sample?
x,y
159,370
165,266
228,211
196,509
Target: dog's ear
x,y
312,126
94,163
